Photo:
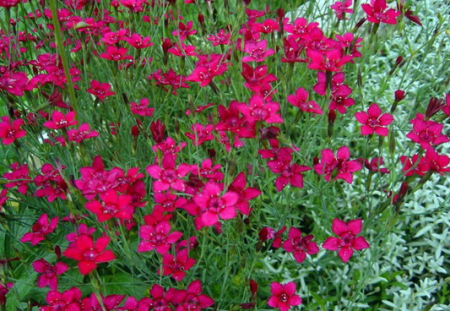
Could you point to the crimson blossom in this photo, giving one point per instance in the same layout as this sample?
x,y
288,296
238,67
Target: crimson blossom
x,y
283,296
340,167
40,229
50,273
348,240
210,205
427,133
10,131
373,121
68,300
300,246
168,176
378,12
89,253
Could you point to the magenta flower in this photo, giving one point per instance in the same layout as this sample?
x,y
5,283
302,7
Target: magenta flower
x,y
19,177
89,254
427,133
373,121
40,229
261,109
300,100
300,246
59,120
168,176
200,133
338,166
136,41
10,131
142,109
290,173
192,298
100,90
112,205
115,53
331,60
50,273
283,296
157,236
176,266
82,133
257,50
214,206
348,240
378,12
340,8
184,30
68,300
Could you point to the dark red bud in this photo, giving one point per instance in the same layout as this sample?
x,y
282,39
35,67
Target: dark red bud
x,y
253,288
58,252
158,131
399,95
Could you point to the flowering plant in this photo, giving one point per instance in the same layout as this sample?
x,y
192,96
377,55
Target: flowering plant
x,y
186,155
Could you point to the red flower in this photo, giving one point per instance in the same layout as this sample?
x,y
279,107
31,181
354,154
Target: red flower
x,y
300,100
155,235
82,133
348,241
427,133
261,109
221,38
290,173
192,298
59,120
299,245
19,177
200,133
375,165
283,296
245,194
257,50
49,273
208,67
9,132
136,41
332,60
68,300
213,206
168,176
176,266
100,90
340,8
112,205
88,253
40,229
142,108
338,166
184,31
378,12
115,53
374,121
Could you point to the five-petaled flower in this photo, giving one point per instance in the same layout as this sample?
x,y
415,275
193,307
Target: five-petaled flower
x,y
373,121
40,229
89,253
348,240
49,274
300,246
283,296
338,167
10,131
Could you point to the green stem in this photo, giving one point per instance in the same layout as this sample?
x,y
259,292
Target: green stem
x,y
62,53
